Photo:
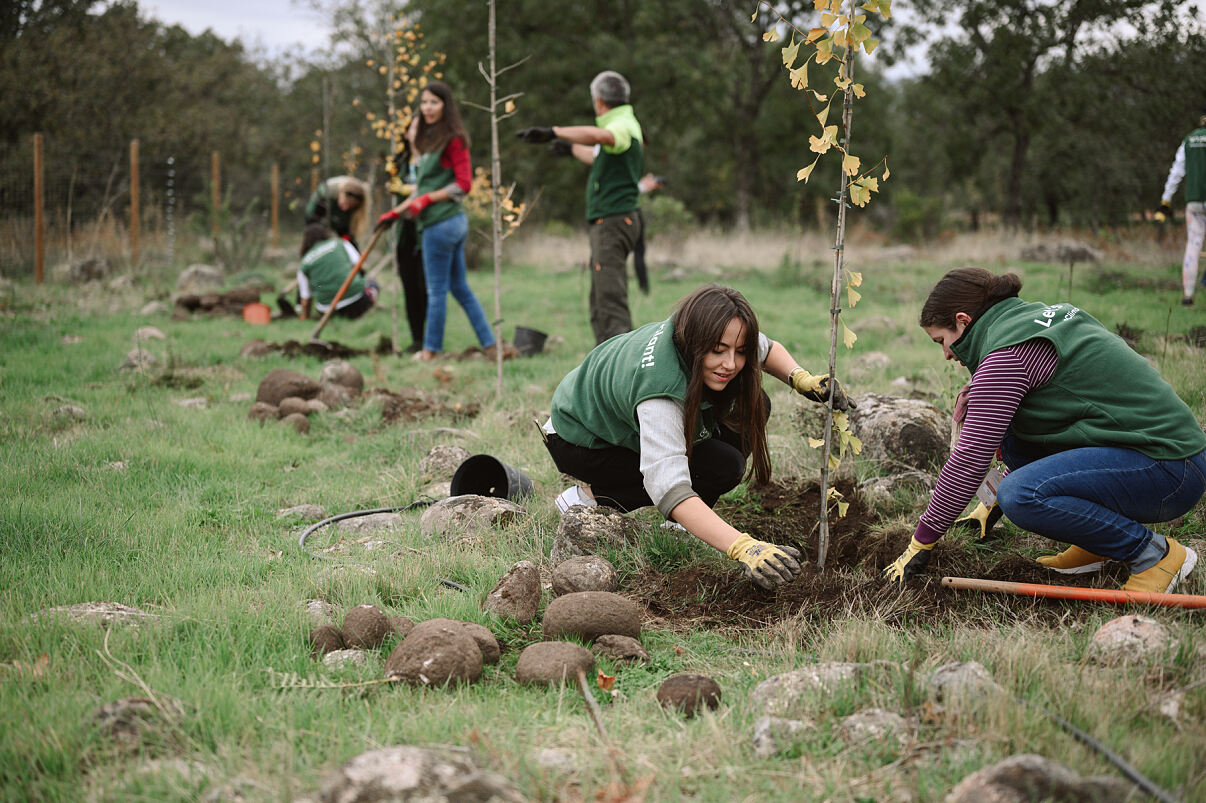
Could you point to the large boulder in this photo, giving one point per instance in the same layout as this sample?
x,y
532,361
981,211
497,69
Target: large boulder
x,y
281,383
199,279
901,433
590,614
591,530
458,515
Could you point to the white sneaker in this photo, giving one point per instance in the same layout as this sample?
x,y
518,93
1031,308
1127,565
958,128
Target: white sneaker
x,y
571,496
672,525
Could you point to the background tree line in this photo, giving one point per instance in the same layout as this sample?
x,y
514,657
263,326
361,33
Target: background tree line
x,y
1030,112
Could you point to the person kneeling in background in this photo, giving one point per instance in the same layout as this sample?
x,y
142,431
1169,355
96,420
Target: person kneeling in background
x,y
326,262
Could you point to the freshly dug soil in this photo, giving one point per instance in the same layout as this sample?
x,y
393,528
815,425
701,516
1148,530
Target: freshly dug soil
x,y
689,693
325,639
435,654
549,662
590,614
366,627
410,404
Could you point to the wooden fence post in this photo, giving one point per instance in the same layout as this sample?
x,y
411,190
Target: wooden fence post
x,y
215,169
39,234
276,205
134,205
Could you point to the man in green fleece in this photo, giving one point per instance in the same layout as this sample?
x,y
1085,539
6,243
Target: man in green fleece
x,y
614,149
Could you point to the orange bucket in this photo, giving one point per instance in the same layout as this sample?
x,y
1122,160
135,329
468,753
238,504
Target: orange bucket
x,y
257,313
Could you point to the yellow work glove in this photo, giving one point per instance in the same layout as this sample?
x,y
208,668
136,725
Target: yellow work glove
x,y
981,520
1164,213
818,388
766,564
911,563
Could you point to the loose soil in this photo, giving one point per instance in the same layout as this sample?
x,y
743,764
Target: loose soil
x,y
719,597
411,404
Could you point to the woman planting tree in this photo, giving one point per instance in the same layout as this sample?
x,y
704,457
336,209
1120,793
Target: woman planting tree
x,y
443,177
341,203
668,414
1094,440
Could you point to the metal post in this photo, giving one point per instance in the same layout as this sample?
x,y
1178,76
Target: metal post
x,y
134,206
39,223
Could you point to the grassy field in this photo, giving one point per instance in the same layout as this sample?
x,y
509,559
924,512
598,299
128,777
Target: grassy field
x,y
172,508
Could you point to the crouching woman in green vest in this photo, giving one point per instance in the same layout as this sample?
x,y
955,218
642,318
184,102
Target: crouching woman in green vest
x,y
326,262
668,414
1095,441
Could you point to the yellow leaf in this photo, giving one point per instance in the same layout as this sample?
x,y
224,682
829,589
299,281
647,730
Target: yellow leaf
x,y
855,279
848,337
827,19
820,98
820,5
509,107
824,50
842,507
835,462
841,82
770,36
858,90
823,116
872,184
887,172
754,18
799,76
841,39
859,32
816,443
815,34
856,445
859,195
869,45
850,164
841,420
804,172
791,52
853,296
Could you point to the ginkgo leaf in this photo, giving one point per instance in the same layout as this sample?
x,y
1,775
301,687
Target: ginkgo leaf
x,y
859,91
824,50
835,462
859,32
855,279
872,184
820,98
856,444
815,34
853,296
509,106
850,164
770,36
842,507
820,5
841,39
841,420
790,53
804,172
827,19
816,443
858,195
823,116
799,76
887,172
841,82
754,18
848,337
869,45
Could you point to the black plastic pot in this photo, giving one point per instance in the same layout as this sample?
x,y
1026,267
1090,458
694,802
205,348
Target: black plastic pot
x,y
529,341
486,475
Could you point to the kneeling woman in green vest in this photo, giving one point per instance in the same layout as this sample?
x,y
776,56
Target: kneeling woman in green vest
x,y
1094,440
326,262
668,414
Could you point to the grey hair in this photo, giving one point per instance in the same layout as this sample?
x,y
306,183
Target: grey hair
x,y
610,87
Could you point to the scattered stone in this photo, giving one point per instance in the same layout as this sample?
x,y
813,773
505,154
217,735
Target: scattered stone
x,y
590,531
555,759
366,627
547,663
371,523
117,465
298,421
438,490
339,659
1028,777
458,515
239,398
442,461
316,406
196,279
237,790
263,411
1130,638
83,270
255,348
325,639
406,773
774,735
620,648
689,693
782,695
292,405
434,654
342,573
281,383
873,725
154,308
517,594
590,614
585,573
193,403
148,333
105,614
320,612
962,680
139,360
1063,252
904,433
135,721
882,490
401,625
341,372
69,412
334,396
306,512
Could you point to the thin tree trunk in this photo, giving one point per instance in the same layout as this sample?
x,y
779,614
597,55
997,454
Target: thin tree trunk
x,y
496,212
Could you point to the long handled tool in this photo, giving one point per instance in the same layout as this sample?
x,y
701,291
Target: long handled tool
x,y
1077,593
346,282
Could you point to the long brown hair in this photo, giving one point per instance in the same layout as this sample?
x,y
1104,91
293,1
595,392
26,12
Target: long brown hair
x,y
435,137
699,323
969,290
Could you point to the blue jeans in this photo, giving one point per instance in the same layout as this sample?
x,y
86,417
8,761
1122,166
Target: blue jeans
x,y
1095,497
444,270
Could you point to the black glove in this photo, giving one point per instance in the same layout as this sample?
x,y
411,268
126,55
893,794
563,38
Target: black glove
x,y
536,135
561,147
818,388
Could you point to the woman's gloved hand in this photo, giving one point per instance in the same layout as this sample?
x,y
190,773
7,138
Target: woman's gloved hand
x,y
818,389
981,520
911,563
387,219
766,564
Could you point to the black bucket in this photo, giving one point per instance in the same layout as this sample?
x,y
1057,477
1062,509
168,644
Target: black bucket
x,y
529,341
486,475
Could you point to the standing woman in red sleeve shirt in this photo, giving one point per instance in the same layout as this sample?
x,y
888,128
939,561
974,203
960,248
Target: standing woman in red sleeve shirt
x,y
443,179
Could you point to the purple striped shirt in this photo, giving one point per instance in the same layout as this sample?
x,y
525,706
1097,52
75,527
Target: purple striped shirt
x,y
994,393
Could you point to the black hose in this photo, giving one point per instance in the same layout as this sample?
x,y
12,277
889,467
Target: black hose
x,y
301,542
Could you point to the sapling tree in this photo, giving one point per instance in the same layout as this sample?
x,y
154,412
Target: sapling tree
x,y
842,31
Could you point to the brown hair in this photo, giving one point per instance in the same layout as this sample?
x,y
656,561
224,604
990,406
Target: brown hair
x,y
357,220
314,234
699,323
435,137
969,290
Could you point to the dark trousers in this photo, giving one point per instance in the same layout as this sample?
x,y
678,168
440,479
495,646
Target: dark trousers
x,y
612,239
409,259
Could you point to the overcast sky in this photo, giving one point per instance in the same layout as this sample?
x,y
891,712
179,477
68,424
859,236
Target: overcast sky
x,y
277,26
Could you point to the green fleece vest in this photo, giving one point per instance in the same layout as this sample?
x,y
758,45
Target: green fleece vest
x,y
1195,165
612,187
430,176
594,406
1101,394
327,266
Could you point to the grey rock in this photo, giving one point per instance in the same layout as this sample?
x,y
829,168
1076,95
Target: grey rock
x,y
591,530
423,775
517,593
263,411
320,611
962,680
873,725
867,365
338,659
881,490
138,360
1130,638
458,515
341,372
192,403
774,735
197,279
371,523
148,333
785,694
585,573
133,721
152,308
1026,778
335,396
105,614
305,512
620,648
69,412
556,759
442,461
902,433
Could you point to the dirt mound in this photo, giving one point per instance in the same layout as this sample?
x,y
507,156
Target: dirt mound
x,y
411,404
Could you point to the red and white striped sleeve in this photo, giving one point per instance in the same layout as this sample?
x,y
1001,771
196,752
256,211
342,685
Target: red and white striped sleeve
x,y
994,394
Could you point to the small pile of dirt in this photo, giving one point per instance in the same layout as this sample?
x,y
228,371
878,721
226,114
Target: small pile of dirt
x,y
366,627
689,693
325,639
323,350
434,654
411,404
551,662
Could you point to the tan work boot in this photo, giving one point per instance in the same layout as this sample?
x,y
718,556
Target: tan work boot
x,y
1162,577
1074,560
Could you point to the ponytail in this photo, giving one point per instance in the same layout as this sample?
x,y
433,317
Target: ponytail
x,y
968,290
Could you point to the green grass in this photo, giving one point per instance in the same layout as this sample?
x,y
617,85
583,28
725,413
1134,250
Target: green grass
x,y
173,510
